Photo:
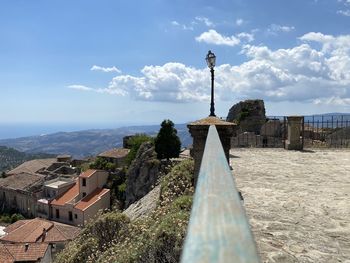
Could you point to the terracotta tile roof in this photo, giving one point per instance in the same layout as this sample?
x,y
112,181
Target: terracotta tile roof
x,y
61,233
21,181
87,173
91,198
67,196
29,232
33,166
32,231
15,225
20,253
5,255
115,153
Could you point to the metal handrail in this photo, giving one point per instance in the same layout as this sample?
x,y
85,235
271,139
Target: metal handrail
x,y
218,230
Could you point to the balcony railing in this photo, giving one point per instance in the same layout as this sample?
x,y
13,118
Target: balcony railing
x,y
218,229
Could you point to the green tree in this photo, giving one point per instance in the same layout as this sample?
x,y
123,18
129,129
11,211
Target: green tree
x,y
135,142
167,143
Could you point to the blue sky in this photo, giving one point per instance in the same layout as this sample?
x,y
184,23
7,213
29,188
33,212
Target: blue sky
x,y
110,63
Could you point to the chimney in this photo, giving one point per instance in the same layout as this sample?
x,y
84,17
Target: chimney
x,y
26,246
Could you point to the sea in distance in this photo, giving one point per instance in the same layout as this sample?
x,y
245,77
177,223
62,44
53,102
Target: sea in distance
x,y
16,130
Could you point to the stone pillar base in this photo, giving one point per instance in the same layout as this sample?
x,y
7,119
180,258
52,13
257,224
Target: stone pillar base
x,y
293,146
294,141
199,131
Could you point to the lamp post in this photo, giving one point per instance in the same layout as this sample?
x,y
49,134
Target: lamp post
x,y
211,64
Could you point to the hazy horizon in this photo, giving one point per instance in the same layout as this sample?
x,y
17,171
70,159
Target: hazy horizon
x,y
17,130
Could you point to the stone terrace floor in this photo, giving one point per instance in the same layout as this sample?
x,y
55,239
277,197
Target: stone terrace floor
x,y
298,203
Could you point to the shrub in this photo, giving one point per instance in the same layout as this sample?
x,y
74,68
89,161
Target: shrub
x,y
135,143
103,164
16,217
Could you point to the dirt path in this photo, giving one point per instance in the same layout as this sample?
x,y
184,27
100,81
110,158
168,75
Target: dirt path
x,y
298,203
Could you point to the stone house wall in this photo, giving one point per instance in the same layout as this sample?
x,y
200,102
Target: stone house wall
x,y
20,201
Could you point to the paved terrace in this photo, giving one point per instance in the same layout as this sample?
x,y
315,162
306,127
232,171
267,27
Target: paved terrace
x,y
298,203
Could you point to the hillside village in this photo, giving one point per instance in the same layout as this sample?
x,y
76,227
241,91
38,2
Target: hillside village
x,y
105,208
56,197
54,193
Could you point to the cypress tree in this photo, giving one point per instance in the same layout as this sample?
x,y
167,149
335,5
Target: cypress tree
x,y
167,143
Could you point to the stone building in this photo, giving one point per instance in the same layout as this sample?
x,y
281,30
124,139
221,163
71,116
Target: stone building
x,y
38,233
116,156
20,192
82,200
51,166
33,166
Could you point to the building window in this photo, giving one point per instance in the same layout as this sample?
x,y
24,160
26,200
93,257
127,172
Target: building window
x,y
75,216
70,216
84,182
84,194
57,213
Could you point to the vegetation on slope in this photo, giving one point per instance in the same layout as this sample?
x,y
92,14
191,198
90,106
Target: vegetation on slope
x,y
10,158
135,143
156,238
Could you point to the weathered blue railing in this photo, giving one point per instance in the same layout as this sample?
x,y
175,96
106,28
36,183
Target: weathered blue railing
x,y
218,229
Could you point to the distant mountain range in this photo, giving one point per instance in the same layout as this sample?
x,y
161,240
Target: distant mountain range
x,y
10,158
87,142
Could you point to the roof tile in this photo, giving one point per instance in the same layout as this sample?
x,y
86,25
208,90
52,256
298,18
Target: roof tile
x,y
67,196
32,231
33,252
88,173
91,198
115,153
33,166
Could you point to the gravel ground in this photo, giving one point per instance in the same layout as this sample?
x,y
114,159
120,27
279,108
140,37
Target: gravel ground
x,y
298,203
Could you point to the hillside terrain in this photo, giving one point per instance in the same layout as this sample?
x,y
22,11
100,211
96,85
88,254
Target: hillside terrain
x,y
157,237
10,158
87,142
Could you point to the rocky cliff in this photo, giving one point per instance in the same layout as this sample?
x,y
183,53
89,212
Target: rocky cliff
x,y
249,115
142,174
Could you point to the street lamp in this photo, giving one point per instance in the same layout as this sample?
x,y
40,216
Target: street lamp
x,y
211,64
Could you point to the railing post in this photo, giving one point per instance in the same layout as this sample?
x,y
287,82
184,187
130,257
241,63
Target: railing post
x,y
199,131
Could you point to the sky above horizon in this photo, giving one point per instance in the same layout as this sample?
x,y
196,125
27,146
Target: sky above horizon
x,y
111,62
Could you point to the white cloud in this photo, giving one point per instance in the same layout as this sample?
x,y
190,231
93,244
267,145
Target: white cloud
x,y
246,36
205,20
304,73
344,12
239,21
182,26
104,69
79,87
213,37
274,29
333,101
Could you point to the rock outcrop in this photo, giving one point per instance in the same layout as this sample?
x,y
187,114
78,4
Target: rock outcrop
x,y
249,115
145,206
143,173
